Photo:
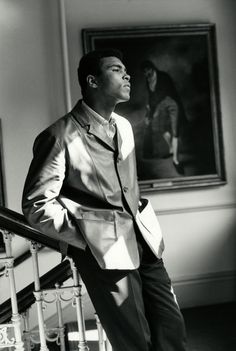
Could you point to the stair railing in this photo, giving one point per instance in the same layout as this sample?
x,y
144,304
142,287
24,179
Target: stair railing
x,y
17,333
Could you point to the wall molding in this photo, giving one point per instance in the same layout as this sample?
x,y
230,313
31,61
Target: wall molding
x,y
65,56
197,278
205,289
190,209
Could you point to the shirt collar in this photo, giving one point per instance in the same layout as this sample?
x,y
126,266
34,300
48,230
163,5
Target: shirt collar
x,y
96,115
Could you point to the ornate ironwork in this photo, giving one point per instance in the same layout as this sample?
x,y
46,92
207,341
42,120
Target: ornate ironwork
x,y
5,339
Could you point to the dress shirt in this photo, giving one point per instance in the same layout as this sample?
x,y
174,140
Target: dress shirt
x,y
109,126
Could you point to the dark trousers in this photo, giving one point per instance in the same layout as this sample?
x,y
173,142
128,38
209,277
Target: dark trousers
x,y
137,308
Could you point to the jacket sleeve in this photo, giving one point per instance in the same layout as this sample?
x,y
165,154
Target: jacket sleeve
x,y
43,184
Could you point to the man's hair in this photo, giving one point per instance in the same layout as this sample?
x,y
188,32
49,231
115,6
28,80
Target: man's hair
x,y
90,63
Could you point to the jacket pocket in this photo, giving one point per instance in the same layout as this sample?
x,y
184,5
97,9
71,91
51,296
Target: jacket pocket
x,y
95,215
98,229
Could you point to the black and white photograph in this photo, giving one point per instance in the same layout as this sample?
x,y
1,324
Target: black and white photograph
x,y
117,175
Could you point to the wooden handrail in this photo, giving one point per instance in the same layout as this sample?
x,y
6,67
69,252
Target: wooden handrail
x,y
16,223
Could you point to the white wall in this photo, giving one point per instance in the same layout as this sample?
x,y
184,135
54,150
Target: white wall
x,y
31,92
199,225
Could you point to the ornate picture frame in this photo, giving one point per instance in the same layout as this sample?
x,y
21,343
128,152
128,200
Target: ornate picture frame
x,y
174,107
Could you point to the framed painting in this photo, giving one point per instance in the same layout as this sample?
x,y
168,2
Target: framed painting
x,y
174,107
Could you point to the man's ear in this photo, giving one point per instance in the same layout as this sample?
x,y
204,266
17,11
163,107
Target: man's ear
x,y
91,81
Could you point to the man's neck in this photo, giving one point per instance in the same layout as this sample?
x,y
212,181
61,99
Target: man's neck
x,y
104,110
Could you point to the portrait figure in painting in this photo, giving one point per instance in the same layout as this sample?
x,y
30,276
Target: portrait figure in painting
x,y
164,114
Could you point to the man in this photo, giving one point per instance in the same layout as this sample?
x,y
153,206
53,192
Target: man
x,y
82,190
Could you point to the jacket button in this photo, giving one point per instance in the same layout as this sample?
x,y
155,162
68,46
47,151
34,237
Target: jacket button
x,y
125,189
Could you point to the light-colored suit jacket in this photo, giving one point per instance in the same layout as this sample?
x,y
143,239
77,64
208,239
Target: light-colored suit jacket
x,y
82,190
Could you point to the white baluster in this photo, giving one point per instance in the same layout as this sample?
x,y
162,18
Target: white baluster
x,y
101,340
38,296
27,339
79,308
16,319
108,345
104,343
60,319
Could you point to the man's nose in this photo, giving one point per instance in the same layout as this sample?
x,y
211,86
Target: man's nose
x,y
126,77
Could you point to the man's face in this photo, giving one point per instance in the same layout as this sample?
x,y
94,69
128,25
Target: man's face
x,y
113,82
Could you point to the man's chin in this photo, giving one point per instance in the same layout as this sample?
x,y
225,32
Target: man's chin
x,y
125,98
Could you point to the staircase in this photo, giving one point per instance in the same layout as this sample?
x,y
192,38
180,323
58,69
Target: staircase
x,y
49,289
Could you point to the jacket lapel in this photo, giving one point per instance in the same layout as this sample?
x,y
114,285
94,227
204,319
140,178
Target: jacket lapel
x,y
93,127
99,132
